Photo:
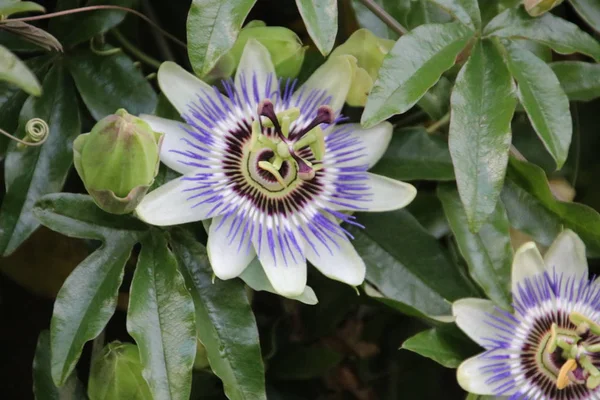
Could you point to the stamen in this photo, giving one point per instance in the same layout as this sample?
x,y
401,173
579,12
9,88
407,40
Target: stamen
x,y
563,375
266,109
325,115
583,322
306,172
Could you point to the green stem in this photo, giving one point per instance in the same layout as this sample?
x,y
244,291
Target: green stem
x,y
438,124
137,53
384,17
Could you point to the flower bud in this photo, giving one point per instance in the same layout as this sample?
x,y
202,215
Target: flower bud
x,y
536,8
369,51
117,161
117,374
285,47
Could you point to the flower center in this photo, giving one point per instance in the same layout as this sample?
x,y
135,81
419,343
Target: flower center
x,y
569,353
279,153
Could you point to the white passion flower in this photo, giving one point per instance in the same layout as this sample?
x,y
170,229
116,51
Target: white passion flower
x,y
549,346
272,168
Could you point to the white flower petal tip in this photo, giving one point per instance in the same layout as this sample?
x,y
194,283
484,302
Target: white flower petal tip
x,y
287,280
256,69
527,263
471,378
338,261
376,140
471,315
181,87
228,257
389,194
567,255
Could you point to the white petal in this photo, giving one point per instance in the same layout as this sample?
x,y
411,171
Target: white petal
x,y
373,142
527,263
338,260
172,204
383,194
471,316
335,77
255,277
173,141
229,251
256,64
567,255
181,87
471,378
282,261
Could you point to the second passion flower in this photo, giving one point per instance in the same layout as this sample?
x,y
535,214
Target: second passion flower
x,y
272,168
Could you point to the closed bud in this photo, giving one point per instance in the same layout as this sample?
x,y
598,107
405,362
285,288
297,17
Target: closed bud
x,y
369,51
117,161
117,374
536,8
284,46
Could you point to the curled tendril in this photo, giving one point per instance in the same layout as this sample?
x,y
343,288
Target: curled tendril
x,y
36,133
107,52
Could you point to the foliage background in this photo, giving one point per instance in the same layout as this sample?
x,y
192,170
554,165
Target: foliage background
x,y
347,346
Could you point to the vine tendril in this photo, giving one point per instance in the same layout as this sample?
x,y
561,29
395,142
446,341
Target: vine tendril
x,y
36,133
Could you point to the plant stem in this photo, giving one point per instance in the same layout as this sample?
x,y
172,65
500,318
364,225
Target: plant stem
x,y
162,44
576,143
137,53
385,17
438,124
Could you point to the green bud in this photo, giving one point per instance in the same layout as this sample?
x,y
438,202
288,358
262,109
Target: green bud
x,y
201,360
117,161
536,8
369,51
285,47
117,374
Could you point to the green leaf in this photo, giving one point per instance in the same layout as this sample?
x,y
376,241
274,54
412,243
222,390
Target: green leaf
x,y
441,345
10,7
88,297
414,154
464,11
436,102
483,103
321,20
304,362
579,80
414,65
488,253
107,83
582,219
43,386
161,320
15,71
12,99
212,28
225,322
544,101
34,171
589,10
562,36
74,29
420,281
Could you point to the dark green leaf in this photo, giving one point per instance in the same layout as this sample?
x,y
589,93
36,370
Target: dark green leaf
x,y
582,219
301,362
464,11
12,100
107,83
414,65
562,36
320,18
366,18
73,29
483,103
544,100
212,28
440,346
414,154
16,72
427,209
7,8
589,10
420,280
579,80
488,253
437,100
33,34
35,171
43,386
161,320
225,322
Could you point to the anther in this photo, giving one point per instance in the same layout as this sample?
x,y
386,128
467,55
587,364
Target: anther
x,y
562,381
306,172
